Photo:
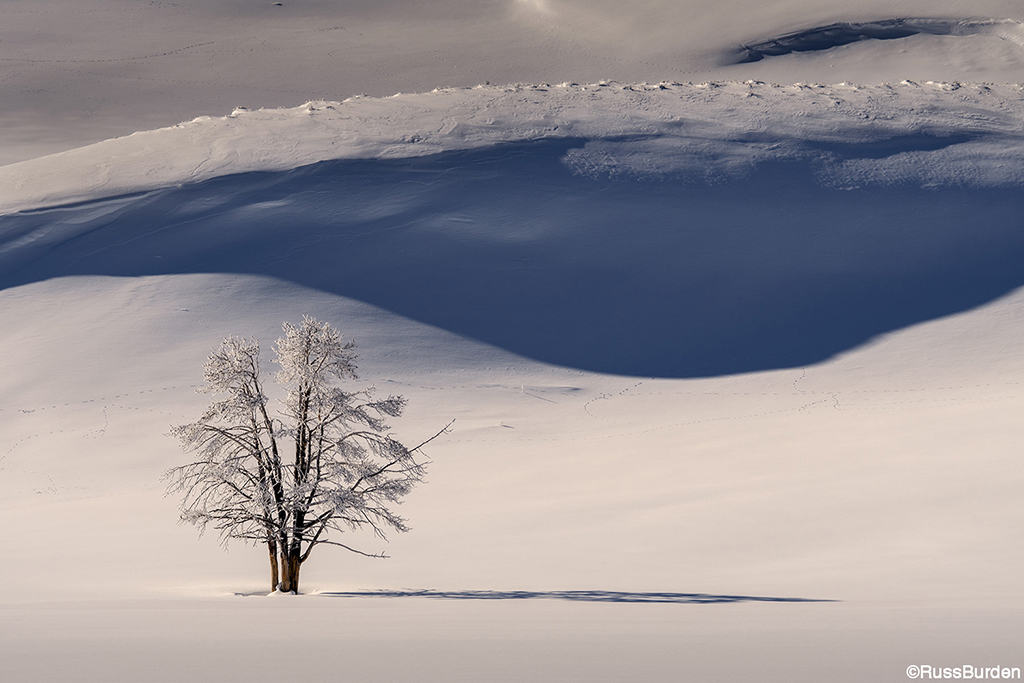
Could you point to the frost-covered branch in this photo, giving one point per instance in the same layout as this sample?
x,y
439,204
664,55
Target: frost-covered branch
x,y
345,468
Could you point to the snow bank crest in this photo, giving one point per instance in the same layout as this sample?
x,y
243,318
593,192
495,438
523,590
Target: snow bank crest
x,y
931,133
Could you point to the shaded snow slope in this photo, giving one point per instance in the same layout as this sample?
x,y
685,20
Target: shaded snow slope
x,y
672,230
507,245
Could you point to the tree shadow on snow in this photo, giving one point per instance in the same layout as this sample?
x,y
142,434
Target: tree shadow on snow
x,y
647,277
574,596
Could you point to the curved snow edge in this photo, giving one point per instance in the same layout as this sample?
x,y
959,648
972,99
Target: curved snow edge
x,y
844,33
706,129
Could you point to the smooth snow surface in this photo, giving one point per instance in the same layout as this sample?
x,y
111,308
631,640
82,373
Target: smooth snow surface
x,y
80,71
733,347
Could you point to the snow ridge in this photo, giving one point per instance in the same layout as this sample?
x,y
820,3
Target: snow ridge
x,y
930,133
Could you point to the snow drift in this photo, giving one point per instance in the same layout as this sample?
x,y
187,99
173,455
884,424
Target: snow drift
x,y
684,231
667,230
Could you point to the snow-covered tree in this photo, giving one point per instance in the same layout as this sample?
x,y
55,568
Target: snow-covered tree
x,y
297,477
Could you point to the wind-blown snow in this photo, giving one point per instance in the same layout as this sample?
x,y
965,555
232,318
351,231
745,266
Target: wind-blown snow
x,y
929,133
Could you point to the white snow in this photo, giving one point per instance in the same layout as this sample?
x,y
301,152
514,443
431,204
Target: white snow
x,y
703,129
82,71
746,330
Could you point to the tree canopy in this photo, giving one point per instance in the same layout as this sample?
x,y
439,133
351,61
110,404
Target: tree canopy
x,y
323,464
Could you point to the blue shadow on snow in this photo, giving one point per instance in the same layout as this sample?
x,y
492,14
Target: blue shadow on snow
x,y
574,596
646,277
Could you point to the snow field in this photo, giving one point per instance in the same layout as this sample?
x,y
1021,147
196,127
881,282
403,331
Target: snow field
x,y
709,328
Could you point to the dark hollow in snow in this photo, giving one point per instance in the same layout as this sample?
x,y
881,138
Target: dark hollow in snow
x,y
656,277
835,35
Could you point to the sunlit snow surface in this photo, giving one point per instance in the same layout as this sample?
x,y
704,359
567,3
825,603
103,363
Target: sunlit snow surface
x,y
735,366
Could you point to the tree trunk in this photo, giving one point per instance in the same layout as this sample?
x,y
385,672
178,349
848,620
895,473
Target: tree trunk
x,y
293,568
274,578
286,574
290,564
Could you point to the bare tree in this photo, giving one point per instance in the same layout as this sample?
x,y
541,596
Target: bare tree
x,y
322,465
